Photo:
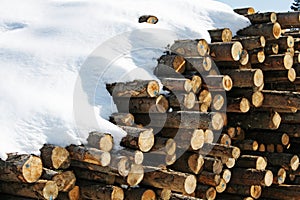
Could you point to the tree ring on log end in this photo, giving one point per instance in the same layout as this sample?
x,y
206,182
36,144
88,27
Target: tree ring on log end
x,y
32,169
190,184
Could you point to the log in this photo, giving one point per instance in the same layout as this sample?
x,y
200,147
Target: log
x,y
247,145
95,176
295,86
175,62
21,168
257,56
177,84
208,136
268,30
260,18
235,133
271,49
226,175
13,197
209,178
284,42
182,101
89,155
205,192
163,71
229,162
41,189
189,163
159,159
279,175
133,156
251,42
213,165
73,194
139,194
289,19
251,177
218,101
167,145
101,141
293,130
217,82
238,105
99,191
268,137
137,88
201,65
252,120
244,11
221,187
175,196
121,164
196,84
138,138
240,64
251,161
175,181
55,157
291,118
219,150
270,148
122,119
142,104
226,196
190,48
163,194
277,62
224,139
283,192
220,35
226,51
262,148
65,180
245,190
205,98
280,77
246,78
151,19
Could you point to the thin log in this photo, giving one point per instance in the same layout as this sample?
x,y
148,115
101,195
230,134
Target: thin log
x,y
174,61
247,145
182,100
217,82
55,157
268,30
257,56
226,51
252,42
268,137
251,161
245,190
235,133
238,105
167,145
151,19
220,35
177,84
189,163
213,165
284,42
259,18
224,139
279,175
73,194
101,141
244,11
251,177
205,192
271,49
190,48
226,175
246,78
139,194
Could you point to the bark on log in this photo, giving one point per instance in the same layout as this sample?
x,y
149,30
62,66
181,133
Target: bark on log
x,y
148,19
89,155
101,141
65,180
167,145
177,84
283,192
251,42
138,138
182,101
259,18
175,181
277,62
279,175
41,189
291,118
271,49
268,30
244,11
217,82
201,65
220,35
159,159
55,157
289,19
226,175
176,62
245,190
235,133
122,119
222,186
238,105
189,163
293,130
190,48
268,137
246,78
251,161
247,145
226,51
175,196
205,192
280,77
284,42
224,139
21,168
99,191
252,177
213,165
137,88
73,194
209,178
218,150
139,194
257,56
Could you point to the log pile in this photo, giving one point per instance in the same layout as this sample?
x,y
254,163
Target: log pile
x,y
224,125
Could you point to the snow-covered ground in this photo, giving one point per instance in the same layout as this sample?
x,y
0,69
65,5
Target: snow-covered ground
x,y
56,55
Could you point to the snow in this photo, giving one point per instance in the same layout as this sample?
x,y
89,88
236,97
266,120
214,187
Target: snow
x,y
57,55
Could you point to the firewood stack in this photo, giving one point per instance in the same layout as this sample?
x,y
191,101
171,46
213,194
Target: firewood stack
x,y
221,122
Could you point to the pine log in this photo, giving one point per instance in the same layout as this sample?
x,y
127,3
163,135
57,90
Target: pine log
x,y
251,177
270,148
252,42
222,186
176,62
240,64
190,48
138,138
224,139
65,180
73,194
245,190
294,87
137,88
208,136
268,30
41,189
293,130
246,78
99,191
209,178
219,150
277,62
279,175
289,19
226,175
226,51
220,35
251,161
284,42
268,137
89,155
21,168
95,176
139,194
177,84
271,49
262,148
217,82
163,194
189,163
167,145
175,181
238,105
101,141
205,98
159,159
282,192
148,19
218,101
213,165
259,18
205,192
182,100
261,120
122,119
244,11
55,157
280,77
121,164
247,145
162,70
201,65
229,162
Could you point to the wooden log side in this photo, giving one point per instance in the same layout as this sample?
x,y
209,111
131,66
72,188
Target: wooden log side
x,y
284,42
245,190
137,88
226,51
224,139
284,192
73,194
101,141
201,65
238,105
175,196
260,18
205,192
235,133
219,150
209,178
175,62
293,130
139,193
220,35
177,84
213,165
122,119
190,48
244,11
55,157
289,19
251,42
101,191
167,145
291,118
251,161
268,30
271,49
21,168
281,77
159,159
247,145
217,82
251,177
276,62
189,163
268,137
246,78
182,101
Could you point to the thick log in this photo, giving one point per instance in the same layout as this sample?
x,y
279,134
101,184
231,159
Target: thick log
x,y
101,141
151,19
174,61
55,157
217,82
271,49
282,192
229,162
163,194
242,63
65,180
182,100
251,161
284,42
220,35
268,30
89,155
177,84
190,48
175,181
245,190
95,176
247,145
138,138
189,163
246,78
238,105
122,119
21,168
139,194
260,18
205,192
142,104
268,137
41,189
252,42
137,88
219,150
73,194
209,178
226,51
251,177
252,120
277,62
226,175
289,19
244,11
202,65
99,191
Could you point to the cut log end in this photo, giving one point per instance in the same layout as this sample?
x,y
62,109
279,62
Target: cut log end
x,y
32,169
162,104
236,51
196,84
292,75
227,83
244,59
281,176
218,102
276,30
255,191
226,175
217,121
262,40
146,140
268,179
285,139
189,100
50,190
276,120
257,99
190,184
202,47
105,159
244,105
197,139
288,61
153,88
136,175
195,162
117,193
294,163
222,186
258,78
